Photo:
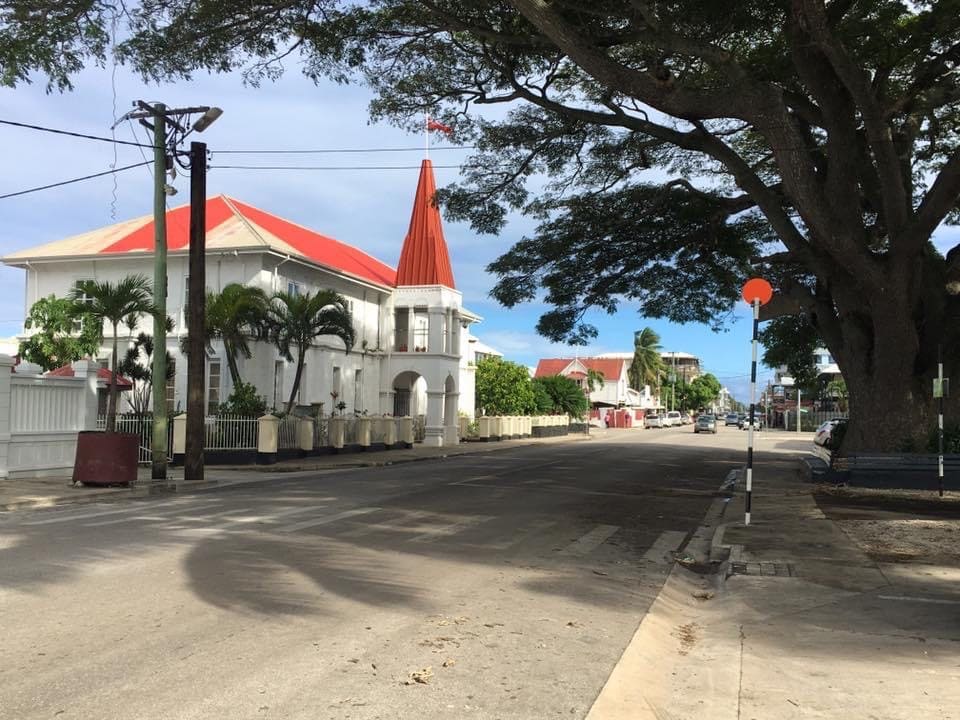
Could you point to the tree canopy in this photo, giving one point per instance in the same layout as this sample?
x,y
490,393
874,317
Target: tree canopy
x,y
667,148
504,388
56,340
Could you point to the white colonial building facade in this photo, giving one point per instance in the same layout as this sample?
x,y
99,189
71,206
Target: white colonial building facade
x,y
413,352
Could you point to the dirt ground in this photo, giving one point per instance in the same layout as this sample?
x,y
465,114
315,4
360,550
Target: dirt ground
x,y
897,525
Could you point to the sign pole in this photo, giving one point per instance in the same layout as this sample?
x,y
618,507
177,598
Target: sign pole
x,y
756,292
940,421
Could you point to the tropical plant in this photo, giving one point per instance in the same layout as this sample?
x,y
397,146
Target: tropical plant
x,y
647,365
56,341
137,366
503,388
294,321
566,396
244,400
236,315
122,302
595,380
837,391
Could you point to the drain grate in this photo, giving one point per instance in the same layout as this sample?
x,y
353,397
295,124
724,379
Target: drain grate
x,y
766,569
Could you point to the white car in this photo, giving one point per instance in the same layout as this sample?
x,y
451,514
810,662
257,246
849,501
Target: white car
x,y
673,418
653,421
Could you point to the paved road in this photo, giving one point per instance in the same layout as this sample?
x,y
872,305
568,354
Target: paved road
x,y
517,577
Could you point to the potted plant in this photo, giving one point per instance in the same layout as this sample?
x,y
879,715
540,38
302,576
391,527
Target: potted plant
x,y
109,457
402,348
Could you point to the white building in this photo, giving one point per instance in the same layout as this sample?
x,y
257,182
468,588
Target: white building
x,y
413,350
614,391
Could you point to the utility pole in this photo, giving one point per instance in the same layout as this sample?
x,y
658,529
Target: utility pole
x,y
158,453
798,408
196,309
176,122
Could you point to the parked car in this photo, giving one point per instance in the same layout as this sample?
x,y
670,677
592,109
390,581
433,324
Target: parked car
x,y
706,423
731,419
673,418
825,435
757,422
686,418
653,421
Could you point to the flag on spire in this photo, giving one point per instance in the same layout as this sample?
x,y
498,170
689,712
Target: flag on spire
x,y
437,125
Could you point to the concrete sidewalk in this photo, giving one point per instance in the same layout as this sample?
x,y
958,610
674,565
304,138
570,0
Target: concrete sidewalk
x,y
33,493
806,626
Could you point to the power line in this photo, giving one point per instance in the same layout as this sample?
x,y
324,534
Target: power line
x,y
340,150
74,180
328,167
55,131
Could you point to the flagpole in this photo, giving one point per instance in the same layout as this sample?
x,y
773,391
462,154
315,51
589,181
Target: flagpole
x,y
426,136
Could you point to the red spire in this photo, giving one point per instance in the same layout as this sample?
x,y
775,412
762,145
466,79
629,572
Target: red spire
x,y
424,259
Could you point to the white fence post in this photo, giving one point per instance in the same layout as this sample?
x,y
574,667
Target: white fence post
x,y
87,370
405,429
306,434
180,437
6,366
268,436
363,432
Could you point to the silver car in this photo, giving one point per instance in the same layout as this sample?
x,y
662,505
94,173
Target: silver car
x,y
706,424
653,421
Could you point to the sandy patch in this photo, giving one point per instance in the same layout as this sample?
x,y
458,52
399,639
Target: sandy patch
x,y
935,541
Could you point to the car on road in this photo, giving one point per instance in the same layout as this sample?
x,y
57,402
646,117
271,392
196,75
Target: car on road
x,y
705,424
653,421
824,436
731,419
673,418
757,422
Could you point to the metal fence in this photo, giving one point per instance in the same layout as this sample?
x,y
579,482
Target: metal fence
x,y
320,436
230,432
378,430
809,421
351,435
287,438
142,427
419,428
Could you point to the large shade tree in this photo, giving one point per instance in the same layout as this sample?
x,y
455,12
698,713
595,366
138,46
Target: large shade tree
x,y
296,321
811,142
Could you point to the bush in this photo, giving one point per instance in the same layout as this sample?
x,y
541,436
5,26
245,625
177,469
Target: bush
x,y
244,401
951,439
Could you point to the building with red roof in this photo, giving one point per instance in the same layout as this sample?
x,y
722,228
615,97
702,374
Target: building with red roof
x,y
412,330
614,391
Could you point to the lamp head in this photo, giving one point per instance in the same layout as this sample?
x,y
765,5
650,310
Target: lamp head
x,y
207,119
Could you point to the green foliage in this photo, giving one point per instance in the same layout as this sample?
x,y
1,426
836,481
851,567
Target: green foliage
x,y
790,341
125,301
236,315
503,388
647,366
595,380
54,343
699,392
295,321
566,397
245,401
137,366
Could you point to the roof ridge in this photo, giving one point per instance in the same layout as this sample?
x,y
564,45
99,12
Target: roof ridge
x,y
229,202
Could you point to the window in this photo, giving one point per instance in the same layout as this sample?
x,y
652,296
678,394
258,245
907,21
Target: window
x,y
358,391
421,330
294,289
86,300
213,387
277,383
172,387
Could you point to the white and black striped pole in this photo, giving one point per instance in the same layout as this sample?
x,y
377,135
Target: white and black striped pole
x,y
756,292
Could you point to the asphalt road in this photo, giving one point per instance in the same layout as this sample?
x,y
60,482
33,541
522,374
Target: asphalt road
x,y
516,577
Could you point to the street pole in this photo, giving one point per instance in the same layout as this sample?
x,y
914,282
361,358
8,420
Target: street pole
x,y
196,310
798,408
158,454
753,408
940,421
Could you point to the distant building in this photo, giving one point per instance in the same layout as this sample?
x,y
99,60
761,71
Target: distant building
x,y
615,391
686,366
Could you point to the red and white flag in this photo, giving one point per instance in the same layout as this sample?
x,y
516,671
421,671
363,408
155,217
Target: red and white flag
x,y
437,125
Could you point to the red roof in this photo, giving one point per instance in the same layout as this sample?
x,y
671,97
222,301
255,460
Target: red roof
x,y
611,368
102,374
311,245
424,259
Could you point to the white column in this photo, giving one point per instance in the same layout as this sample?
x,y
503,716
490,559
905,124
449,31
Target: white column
x,y
435,344
434,430
88,371
448,344
450,418
6,365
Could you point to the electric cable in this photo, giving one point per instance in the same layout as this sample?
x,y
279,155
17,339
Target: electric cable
x,y
74,180
55,131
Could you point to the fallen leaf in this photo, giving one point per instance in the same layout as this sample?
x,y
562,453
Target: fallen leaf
x,y
449,662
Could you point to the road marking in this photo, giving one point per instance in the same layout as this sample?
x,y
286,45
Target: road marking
x,y
135,518
668,541
399,525
910,598
590,541
83,516
328,519
517,538
439,532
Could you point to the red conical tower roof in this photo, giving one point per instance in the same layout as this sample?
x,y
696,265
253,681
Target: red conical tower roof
x,y
424,259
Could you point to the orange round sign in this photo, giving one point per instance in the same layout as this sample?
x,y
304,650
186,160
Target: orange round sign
x,y
757,289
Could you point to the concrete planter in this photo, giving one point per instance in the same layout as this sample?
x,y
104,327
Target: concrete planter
x,y
104,459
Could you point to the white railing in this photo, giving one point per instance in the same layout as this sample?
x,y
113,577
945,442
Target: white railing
x,y
288,436
350,433
378,430
320,435
419,428
230,432
142,427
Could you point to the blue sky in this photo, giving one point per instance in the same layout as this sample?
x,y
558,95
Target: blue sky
x,y
366,208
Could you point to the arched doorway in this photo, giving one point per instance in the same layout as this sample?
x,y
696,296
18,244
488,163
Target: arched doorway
x,y
410,400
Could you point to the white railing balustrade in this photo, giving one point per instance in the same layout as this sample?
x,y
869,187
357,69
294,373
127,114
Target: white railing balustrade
x,y
350,434
230,432
288,438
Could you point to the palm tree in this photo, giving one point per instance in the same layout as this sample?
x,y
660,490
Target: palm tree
x,y
294,322
235,315
125,301
647,364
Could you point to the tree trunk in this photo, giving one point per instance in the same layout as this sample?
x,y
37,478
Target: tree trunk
x,y
232,363
301,355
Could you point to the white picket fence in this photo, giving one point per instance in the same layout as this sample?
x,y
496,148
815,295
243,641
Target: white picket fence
x,y
230,432
142,427
288,436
